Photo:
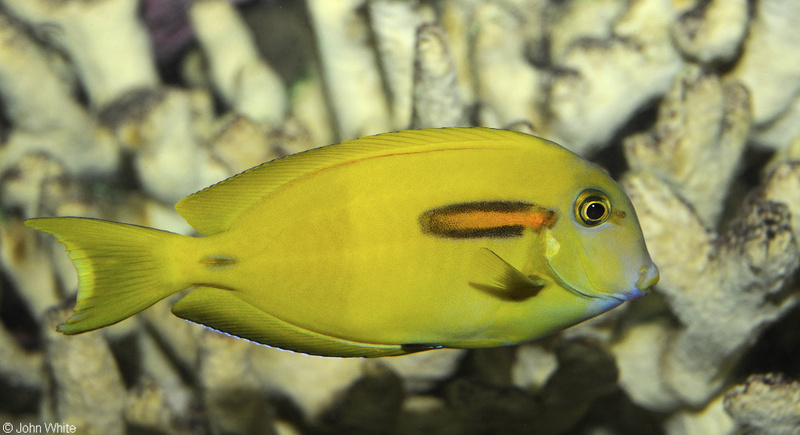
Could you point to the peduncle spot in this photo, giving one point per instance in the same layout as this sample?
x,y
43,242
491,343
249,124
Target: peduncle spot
x,y
218,262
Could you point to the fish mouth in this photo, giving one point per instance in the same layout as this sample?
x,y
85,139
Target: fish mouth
x,y
648,277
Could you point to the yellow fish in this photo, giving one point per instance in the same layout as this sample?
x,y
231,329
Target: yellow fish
x,y
384,245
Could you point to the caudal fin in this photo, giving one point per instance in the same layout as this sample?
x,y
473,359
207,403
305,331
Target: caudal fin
x,y
122,269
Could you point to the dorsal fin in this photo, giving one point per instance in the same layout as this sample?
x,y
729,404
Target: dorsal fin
x,y
213,209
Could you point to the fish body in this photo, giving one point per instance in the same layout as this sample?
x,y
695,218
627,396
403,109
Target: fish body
x,y
379,246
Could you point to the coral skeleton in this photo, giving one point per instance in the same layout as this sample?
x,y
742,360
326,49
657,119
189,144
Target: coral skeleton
x,y
694,106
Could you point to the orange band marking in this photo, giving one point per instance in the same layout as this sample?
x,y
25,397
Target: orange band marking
x,y
486,219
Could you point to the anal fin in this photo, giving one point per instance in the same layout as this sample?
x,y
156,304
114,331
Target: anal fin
x,y
222,310
491,274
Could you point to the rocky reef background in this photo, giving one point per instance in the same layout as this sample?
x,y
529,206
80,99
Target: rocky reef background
x,y
118,108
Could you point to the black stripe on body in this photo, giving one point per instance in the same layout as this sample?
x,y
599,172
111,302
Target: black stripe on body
x,y
477,233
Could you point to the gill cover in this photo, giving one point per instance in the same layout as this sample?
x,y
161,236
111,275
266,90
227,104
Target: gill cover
x,y
598,250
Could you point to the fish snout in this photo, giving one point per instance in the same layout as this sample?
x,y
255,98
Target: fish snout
x,y
648,277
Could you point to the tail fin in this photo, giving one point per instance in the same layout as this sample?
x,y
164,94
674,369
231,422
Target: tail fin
x,y
122,269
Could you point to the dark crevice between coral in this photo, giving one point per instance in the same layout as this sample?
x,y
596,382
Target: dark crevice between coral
x,y
16,318
612,158
282,32
615,413
17,400
289,411
777,349
5,124
749,177
580,397
127,354
370,406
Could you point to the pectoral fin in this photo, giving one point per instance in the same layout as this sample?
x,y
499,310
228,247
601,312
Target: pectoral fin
x,y
491,274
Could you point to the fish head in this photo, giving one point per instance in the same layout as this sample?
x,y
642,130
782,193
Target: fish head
x,y
597,248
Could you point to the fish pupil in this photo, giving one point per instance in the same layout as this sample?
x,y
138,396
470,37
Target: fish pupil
x,y
595,211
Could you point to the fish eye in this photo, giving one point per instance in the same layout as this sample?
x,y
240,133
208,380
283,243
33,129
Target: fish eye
x,y
592,208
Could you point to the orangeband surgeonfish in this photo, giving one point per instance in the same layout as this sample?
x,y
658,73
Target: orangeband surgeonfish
x,y
384,245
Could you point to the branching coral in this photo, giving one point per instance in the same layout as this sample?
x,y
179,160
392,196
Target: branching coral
x,y
724,288
685,92
38,101
243,79
769,68
702,128
601,82
97,406
103,40
766,404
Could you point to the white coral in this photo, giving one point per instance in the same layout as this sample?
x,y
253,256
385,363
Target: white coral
x,y
723,76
